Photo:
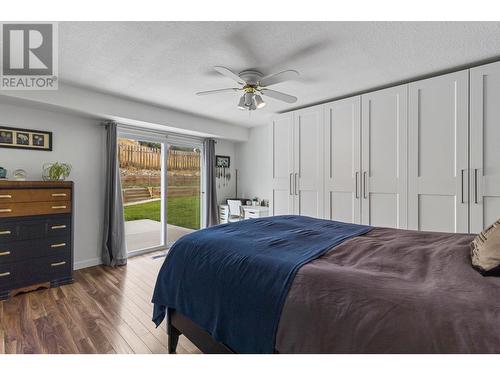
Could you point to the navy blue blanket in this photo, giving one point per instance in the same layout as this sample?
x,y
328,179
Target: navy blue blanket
x,y
232,279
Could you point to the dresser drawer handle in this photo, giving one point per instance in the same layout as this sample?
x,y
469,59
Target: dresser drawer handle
x,y
5,232
58,207
4,253
6,196
59,194
58,227
62,244
57,264
4,274
5,209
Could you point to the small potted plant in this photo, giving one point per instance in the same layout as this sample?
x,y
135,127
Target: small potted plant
x,y
255,201
56,171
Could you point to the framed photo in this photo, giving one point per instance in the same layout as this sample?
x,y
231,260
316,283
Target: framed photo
x,y
28,139
222,161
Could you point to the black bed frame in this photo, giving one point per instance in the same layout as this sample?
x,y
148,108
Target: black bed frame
x,y
178,324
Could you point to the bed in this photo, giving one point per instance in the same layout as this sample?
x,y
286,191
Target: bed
x,y
346,288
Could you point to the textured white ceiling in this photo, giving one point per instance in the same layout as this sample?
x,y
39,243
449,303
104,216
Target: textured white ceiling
x,y
166,63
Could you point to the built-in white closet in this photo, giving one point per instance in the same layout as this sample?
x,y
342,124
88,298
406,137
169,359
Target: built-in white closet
x,y
438,153
298,182
484,169
423,155
343,160
365,152
384,157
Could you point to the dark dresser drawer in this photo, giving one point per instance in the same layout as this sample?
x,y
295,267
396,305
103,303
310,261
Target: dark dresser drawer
x,y
35,271
20,250
39,227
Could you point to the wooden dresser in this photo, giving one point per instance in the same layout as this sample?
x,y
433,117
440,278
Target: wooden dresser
x,y
36,236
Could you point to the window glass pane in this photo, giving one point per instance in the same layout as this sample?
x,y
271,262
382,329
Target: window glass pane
x,y
140,172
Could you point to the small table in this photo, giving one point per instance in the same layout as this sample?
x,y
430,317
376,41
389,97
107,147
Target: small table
x,y
249,212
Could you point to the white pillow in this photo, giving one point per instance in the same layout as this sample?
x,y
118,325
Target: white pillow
x,y
485,250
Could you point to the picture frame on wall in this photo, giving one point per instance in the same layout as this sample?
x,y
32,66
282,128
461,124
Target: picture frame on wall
x,y
28,139
222,161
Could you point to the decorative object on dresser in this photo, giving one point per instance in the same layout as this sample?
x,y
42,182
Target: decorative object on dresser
x,y
36,236
56,171
19,175
25,138
3,172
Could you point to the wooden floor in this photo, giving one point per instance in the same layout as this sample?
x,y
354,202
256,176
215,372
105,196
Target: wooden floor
x,y
106,310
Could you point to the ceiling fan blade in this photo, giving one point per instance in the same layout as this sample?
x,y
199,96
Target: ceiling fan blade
x,y
228,73
273,79
209,92
279,96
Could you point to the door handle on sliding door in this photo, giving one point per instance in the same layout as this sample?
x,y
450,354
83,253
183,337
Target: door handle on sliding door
x,y
296,184
291,188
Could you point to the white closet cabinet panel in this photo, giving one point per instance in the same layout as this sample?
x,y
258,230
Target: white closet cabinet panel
x,y
342,160
484,146
282,202
438,153
384,158
309,161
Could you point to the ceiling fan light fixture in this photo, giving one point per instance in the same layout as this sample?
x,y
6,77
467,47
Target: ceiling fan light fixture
x,y
259,103
241,103
248,99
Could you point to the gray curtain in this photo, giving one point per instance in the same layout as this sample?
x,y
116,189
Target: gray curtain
x,y
114,250
210,189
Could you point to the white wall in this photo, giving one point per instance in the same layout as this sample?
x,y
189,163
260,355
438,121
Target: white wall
x,y
78,141
226,148
253,160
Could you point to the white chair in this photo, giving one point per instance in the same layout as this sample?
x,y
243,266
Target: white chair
x,y
235,211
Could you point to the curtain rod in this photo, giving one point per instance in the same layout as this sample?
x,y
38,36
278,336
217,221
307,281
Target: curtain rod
x,y
165,134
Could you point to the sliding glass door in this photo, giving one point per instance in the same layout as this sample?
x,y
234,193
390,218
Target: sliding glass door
x,y
183,192
141,170
161,180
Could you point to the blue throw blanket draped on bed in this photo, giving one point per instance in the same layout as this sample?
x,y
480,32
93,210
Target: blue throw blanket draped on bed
x,y
232,279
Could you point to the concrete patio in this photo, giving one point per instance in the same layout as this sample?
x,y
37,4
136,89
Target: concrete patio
x,y
143,234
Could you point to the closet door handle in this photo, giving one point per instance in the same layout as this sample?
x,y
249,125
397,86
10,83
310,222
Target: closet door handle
x,y
475,186
356,175
364,185
462,185
296,184
291,188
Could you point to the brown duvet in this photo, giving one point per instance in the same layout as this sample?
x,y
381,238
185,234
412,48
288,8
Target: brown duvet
x,y
392,291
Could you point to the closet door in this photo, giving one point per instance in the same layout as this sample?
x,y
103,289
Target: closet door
x,y
384,157
438,153
342,160
309,162
282,198
484,146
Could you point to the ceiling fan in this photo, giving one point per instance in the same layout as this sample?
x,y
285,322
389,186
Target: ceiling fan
x,y
254,85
